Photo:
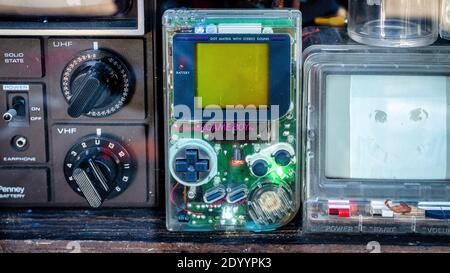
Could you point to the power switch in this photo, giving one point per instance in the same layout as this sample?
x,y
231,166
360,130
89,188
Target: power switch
x,y
17,113
16,110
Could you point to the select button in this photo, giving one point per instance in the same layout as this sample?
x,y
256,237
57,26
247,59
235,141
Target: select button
x,y
20,58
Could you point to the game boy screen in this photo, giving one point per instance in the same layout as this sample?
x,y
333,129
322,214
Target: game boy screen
x,y
387,127
232,74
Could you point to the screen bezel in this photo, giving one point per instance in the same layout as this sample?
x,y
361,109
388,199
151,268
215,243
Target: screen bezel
x,y
316,72
280,67
399,73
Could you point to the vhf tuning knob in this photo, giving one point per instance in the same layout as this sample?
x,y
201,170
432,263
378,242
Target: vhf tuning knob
x,y
96,83
99,168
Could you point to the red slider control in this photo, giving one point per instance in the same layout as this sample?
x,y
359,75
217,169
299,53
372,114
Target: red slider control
x,y
341,208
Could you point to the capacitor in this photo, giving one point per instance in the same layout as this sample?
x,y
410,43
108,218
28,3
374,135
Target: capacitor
x,y
237,159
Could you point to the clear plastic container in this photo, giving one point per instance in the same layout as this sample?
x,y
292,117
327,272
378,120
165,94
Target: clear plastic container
x,y
445,20
394,23
377,141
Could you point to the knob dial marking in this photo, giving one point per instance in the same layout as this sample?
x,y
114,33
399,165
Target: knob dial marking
x,y
99,168
96,84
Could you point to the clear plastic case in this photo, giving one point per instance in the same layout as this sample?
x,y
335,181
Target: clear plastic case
x,y
238,172
445,20
394,23
377,138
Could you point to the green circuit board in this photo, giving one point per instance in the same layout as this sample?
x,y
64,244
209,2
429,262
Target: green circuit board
x,y
231,174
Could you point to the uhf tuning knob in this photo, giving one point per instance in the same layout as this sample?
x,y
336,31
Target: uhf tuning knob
x,y
89,91
96,83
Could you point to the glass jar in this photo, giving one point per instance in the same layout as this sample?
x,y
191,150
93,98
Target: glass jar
x,y
445,20
394,23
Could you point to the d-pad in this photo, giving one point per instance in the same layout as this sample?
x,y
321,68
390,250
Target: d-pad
x,y
192,166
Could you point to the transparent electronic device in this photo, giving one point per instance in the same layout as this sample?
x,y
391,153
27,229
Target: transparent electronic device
x,y
377,138
231,84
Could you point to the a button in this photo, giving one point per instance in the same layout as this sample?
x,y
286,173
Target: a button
x,y
21,186
192,166
260,168
282,158
20,58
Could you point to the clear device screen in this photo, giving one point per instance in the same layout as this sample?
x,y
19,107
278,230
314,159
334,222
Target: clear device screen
x,y
387,127
232,74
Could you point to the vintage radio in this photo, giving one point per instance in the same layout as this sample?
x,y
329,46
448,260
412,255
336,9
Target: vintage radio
x,y
78,104
376,136
231,87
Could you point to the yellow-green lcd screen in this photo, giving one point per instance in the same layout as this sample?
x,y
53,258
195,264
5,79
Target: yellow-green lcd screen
x,y
232,74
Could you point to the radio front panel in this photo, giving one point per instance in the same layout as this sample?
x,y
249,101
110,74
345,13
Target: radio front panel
x,y
78,125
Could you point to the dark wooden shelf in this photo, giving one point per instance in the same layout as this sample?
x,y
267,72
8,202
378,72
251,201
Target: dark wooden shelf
x,y
143,230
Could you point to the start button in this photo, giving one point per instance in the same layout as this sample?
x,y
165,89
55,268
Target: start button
x,y
20,58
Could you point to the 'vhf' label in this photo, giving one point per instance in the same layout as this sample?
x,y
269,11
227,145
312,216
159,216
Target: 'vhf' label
x,y
67,131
